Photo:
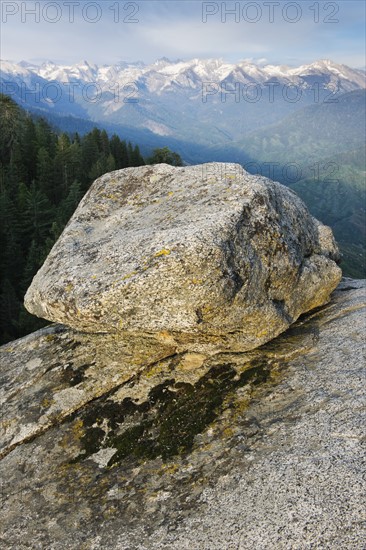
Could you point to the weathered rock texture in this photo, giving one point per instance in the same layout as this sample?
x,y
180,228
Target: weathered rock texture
x,y
203,258
107,449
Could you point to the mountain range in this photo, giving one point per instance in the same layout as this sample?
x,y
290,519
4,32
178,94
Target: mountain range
x,y
179,99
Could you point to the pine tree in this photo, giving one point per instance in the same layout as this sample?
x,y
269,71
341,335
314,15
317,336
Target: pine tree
x,y
63,168
75,161
17,169
29,149
136,157
32,264
104,143
9,312
76,138
38,214
68,206
119,152
45,173
97,138
89,154
11,256
11,118
98,169
130,153
45,136
165,155
111,163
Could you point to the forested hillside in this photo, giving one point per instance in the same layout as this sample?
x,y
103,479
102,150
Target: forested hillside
x,y
312,133
43,175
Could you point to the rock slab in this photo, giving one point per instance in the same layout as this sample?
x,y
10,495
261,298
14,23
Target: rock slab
x,y
203,258
262,449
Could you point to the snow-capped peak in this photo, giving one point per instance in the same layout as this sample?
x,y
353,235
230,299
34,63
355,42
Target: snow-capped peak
x,y
165,74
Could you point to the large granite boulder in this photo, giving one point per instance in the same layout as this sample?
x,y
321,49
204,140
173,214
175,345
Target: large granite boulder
x,y
203,258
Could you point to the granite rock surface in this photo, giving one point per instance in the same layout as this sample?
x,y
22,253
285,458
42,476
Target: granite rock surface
x,y
102,448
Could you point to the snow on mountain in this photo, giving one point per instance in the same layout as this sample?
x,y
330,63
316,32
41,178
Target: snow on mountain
x,y
82,72
164,74
338,74
15,69
168,97
22,74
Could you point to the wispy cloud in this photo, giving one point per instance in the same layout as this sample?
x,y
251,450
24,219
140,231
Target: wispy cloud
x,y
147,30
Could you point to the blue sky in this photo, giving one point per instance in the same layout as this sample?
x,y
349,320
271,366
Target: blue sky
x,y
108,31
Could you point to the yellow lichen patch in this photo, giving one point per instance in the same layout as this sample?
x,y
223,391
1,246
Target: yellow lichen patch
x,y
208,312
5,424
108,513
277,373
228,432
261,333
241,406
69,438
124,278
128,276
47,402
169,469
197,281
163,252
165,337
78,429
155,370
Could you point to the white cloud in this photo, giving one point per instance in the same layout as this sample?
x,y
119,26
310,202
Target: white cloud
x,y
175,29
